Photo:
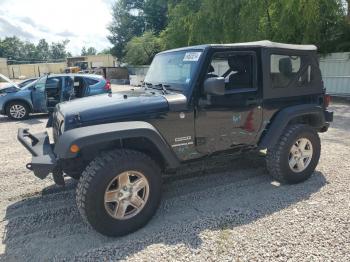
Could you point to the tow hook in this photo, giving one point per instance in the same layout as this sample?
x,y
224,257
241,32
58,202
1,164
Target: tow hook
x,y
57,174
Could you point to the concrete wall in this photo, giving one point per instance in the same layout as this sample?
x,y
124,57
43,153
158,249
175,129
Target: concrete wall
x,y
34,70
3,67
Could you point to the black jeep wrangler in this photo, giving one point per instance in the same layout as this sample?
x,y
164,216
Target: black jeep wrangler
x,y
195,102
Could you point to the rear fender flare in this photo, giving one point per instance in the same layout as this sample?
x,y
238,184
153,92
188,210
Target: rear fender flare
x,y
285,116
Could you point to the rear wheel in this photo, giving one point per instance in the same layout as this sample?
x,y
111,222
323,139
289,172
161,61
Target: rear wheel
x,y
17,110
119,192
294,158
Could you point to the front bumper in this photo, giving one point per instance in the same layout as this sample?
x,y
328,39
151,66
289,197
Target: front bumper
x,y
44,160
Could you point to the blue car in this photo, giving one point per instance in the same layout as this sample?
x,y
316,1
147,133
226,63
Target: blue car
x,y
43,95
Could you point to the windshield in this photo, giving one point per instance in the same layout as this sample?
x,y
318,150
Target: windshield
x,y
175,69
39,82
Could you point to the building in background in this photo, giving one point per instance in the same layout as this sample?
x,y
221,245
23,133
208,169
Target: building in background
x,y
92,61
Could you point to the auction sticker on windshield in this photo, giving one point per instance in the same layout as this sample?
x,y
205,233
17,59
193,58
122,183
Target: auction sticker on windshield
x,y
192,56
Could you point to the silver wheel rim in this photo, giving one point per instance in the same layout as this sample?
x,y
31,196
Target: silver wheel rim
x,y
126,195
300,155
17,111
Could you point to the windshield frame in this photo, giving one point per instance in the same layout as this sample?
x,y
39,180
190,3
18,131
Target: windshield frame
x,y
185,87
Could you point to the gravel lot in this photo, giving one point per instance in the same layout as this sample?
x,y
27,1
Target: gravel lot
x,y
233,212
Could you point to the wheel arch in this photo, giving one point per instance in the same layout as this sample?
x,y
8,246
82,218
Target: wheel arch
x,y
312,115
139,136
17,100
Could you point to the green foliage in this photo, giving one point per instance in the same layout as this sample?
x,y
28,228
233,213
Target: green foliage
x,y
188,22
127,23
141,50
89,51
132,18
106,51
18,51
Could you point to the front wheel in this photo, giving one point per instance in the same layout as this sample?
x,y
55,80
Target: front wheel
x,y
17,110
294,158
119,192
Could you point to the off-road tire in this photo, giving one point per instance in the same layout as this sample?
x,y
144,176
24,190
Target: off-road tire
x,y
95,179
23,104
277,157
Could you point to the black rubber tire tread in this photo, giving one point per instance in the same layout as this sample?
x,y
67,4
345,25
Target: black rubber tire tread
x,y
277,162
90,179
8,106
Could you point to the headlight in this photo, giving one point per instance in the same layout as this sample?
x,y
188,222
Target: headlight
x,y
3,94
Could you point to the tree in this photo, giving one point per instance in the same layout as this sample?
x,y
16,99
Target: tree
x,y
43,50
126,24
18,51
58,50
11,48
317,22
141,50
106,51
89,51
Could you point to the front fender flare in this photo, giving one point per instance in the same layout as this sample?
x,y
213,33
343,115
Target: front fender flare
x,y
92,135
282,119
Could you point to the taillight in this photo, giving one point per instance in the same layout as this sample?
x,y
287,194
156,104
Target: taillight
x,y
108,85
327,100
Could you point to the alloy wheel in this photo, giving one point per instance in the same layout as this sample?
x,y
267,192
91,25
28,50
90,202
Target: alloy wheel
x,y
17,111
126,195
300,155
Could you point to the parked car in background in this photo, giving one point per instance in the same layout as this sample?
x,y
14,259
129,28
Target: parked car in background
x,y
42,95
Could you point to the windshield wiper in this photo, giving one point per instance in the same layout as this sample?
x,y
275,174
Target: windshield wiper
x,y
162,87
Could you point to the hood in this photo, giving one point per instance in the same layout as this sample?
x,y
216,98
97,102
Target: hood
x,y
8,89
6,83
114,107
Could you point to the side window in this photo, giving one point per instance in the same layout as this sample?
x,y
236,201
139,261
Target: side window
x,y
40,84
53,83
237,69
91,82
286,70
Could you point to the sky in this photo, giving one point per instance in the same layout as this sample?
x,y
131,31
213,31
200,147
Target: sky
x,y
83,22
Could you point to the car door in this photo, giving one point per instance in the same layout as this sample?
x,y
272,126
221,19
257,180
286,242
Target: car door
x,y
39,97
234,119
68,89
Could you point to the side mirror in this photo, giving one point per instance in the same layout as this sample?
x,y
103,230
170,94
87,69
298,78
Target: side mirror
x,y
215,86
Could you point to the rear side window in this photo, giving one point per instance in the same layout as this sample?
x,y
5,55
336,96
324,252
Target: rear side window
x,y
289,71
91,82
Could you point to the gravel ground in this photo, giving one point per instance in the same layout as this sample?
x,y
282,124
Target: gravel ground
x,y
232,212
